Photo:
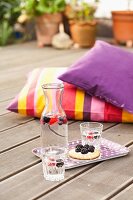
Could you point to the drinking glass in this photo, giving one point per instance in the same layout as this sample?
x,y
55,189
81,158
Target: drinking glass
x,y
53,161
91,133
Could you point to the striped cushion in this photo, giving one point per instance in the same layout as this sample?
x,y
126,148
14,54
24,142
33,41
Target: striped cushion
x,y
77,104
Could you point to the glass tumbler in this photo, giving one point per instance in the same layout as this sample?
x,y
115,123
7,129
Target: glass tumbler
x,y
91,133
53,161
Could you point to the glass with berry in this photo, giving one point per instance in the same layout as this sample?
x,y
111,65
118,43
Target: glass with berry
x,y
91,134
53,163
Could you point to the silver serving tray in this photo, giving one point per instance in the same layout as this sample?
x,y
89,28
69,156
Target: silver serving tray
x,y
109,150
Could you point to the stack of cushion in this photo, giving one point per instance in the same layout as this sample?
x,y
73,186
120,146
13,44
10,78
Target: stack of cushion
x,y
100,85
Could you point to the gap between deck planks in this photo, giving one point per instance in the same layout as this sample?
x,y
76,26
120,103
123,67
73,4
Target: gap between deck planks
x,y
28,178
11,120
21,134
126,193
21,56
121,189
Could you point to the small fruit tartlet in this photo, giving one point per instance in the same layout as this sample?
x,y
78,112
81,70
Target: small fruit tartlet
x,y
86,152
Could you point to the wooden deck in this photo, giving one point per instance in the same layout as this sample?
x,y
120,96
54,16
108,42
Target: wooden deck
x,y
21,172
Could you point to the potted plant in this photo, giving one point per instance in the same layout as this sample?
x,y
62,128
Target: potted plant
x,y
9,12
123,26
82,23
48,16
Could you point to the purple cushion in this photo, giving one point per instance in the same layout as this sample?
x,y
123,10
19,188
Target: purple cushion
x,y
105,71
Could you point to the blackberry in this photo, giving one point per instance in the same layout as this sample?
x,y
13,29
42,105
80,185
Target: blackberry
x,y
84,150
91,148
86,146
61,119
59,163
60,123
46,119
78,147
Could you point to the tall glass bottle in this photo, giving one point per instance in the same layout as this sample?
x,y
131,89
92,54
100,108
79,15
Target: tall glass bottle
x,y
54,126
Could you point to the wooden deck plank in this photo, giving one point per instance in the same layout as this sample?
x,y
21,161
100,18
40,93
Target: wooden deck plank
x,y
96,182
125,194
17,156
121,133
9,93
18,79
18,159
11,120
15,69
30,53
28,149
30,130
3,106
14,127
21,171
30,183
20,134
15,75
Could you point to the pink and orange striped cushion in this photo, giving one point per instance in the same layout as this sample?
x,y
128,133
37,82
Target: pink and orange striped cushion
x,y
77,104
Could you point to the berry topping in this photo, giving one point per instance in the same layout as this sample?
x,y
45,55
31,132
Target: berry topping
x,y
78,148
84,150
46,119
86,146
62,120
53,120
60,123
90,137
59,163
91,148
51,162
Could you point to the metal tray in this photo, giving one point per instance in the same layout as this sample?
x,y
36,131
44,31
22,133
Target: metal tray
x,y
109,150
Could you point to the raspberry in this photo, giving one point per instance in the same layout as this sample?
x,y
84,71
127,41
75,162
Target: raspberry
x,y
51,162
53,120
90,137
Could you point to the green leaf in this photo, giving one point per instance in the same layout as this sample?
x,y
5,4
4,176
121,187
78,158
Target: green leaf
x,y
5,33
35,7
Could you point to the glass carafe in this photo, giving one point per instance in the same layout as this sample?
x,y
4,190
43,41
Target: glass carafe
x,y
54,126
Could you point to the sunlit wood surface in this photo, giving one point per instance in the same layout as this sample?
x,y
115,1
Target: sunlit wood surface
x,y
20,171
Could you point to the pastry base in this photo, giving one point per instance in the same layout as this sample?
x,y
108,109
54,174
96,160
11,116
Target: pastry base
x,y
88,156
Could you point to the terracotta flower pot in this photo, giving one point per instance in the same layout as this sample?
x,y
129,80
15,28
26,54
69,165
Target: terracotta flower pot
x,y
83,33
47,26
123,26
